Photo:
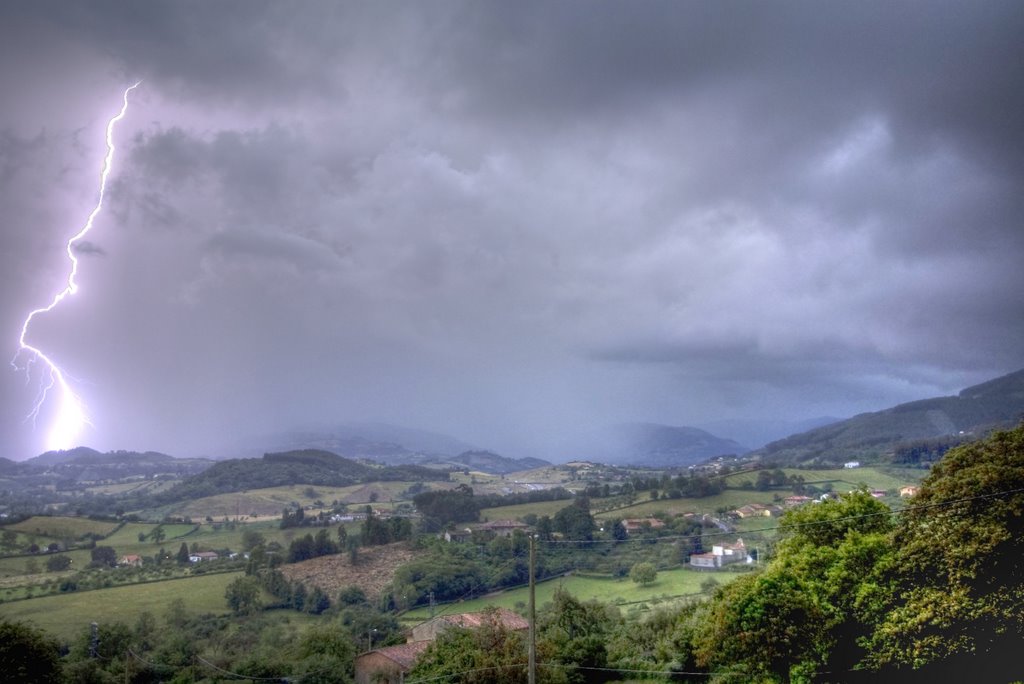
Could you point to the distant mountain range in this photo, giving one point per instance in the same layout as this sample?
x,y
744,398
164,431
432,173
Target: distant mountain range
x,y
658,446
392,445
998,403
880,435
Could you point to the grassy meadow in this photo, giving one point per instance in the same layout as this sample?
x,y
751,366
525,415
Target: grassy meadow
x,y
65,615
270,501
845,479
670,585
62,527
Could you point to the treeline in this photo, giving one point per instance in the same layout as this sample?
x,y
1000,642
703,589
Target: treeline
x,y
668,487
516,498
924,451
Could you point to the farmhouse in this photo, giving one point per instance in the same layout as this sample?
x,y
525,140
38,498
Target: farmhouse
x,y
502,528
720,556
796,500
909,490
634,525
131,560
388,665
755,510
200,556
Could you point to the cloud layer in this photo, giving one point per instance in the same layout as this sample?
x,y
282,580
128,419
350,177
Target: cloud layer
x,y
515,223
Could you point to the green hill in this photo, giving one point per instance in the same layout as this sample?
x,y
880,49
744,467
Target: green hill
x,y
306,466
883,435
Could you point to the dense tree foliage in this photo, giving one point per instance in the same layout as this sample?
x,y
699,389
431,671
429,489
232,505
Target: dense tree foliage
x,y
491,654
959,573
243,595
28,655
574,521
443,507
855,593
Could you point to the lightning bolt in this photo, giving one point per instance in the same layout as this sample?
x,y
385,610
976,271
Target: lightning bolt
x,y
71,417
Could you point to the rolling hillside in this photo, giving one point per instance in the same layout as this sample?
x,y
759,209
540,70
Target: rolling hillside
x,y
877,436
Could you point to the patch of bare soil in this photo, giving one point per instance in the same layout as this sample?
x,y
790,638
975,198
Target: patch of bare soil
x,y
374,569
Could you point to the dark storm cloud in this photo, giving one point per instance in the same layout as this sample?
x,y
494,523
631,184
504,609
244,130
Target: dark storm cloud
x,y
513,221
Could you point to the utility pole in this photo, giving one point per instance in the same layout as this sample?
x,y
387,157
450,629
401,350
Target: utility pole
x,y
532,675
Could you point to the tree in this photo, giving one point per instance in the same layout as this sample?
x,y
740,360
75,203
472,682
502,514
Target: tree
x,y
815,603
959,566
251,539
158,534
375,531
760,626
439,508
58,563
243,596
183,554
323,545
490,654
103,556
643,573
28,654
327,654
301,549
618,530
317,601
575,522
574,634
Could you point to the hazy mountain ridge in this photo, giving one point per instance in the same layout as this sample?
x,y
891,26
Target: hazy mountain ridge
x,y
490,462
997,403
656,445
758,433
378,441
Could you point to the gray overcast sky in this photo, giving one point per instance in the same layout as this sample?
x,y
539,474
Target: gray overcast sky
x,y
512,222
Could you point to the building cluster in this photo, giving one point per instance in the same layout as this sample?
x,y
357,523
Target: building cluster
x,y
720,556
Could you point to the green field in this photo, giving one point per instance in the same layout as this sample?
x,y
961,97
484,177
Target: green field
x,y
670,585
65,615
60,527
540,508
270,501
845,479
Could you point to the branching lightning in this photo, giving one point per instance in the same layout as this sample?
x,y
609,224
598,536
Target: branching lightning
x,y
71,416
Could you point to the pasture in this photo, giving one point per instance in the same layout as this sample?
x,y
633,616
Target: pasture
x,y
66,615
62,527
270,501
671,585
845,479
